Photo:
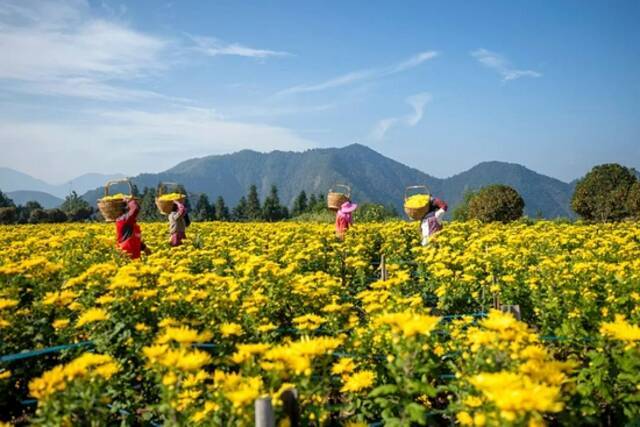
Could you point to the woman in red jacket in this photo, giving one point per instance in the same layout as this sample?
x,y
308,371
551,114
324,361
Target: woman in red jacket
x,y
128,234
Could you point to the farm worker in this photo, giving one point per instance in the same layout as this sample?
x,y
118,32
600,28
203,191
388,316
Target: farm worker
x,y
344,218
432,221
178,223
128,234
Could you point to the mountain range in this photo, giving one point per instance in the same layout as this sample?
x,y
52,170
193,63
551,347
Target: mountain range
x,y
372,176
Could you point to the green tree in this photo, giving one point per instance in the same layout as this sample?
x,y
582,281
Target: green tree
x,y
56,215
496,203
240,210
602,194
5,201
313,201
300,204
8,215
148,209
38,216
254,211
461,212
204,210
75,208
24,212
221,209
633,200
272,209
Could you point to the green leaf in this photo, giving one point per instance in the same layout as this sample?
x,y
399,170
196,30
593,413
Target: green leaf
x,y
416,412
383,390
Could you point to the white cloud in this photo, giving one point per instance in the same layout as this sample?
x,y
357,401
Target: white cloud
x,y
104,142
367,74
500,64
417,102
59,48
56,47
214,47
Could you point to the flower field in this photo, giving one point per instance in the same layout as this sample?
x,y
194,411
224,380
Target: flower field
x,y
193,335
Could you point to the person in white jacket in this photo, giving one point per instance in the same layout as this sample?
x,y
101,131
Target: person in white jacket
x,y
432,221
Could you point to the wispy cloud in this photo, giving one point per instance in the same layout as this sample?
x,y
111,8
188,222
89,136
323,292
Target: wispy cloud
x,y
214,47
500,64
60,48
362,75
417,102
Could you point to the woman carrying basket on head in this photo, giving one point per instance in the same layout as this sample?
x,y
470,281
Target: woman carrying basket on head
x,y
431,222
178,223
128,233
344,219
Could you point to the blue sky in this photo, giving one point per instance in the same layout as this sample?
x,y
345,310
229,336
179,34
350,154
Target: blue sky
x,y
113,86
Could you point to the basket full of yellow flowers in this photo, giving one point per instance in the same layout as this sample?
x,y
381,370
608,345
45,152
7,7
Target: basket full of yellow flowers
x,y
416,205
164,200
111,206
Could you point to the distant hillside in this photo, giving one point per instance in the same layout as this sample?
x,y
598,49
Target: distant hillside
x,y
13,180
372,176
542,194
45,199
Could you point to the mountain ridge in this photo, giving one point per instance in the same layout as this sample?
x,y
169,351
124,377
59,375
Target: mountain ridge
x,y
373,177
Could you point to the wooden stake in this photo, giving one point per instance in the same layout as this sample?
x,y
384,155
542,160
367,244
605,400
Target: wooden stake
x,y
264,412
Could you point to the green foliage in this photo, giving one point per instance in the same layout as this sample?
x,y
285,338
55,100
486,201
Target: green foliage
x,y
76,208
240,210
148,209
300,204
5,201
204,210
272,209
496,203
461,212
633,201
221,210
602,194
254,210
8,215
372,212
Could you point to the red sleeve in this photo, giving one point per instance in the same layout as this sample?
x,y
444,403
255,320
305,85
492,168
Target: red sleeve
x,y
440,204
132,214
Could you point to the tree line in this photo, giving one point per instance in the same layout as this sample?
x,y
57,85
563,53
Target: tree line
x,y
609,192
248,208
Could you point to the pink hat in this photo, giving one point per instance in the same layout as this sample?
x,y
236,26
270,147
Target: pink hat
x,y
348,207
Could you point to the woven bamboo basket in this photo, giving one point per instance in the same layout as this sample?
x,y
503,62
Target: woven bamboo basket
x,y
112,209
335,199
416,213
166,206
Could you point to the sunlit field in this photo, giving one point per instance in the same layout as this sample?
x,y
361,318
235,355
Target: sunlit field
x,y
194,335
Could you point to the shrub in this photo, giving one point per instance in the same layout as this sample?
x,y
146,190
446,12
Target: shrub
x,y
602,194
633,200
496,203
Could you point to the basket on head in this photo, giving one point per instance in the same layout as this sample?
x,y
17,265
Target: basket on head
x,y
335,199
417,212
112,208
164,204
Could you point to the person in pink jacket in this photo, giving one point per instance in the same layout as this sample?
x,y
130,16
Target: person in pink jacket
x,y
344,219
